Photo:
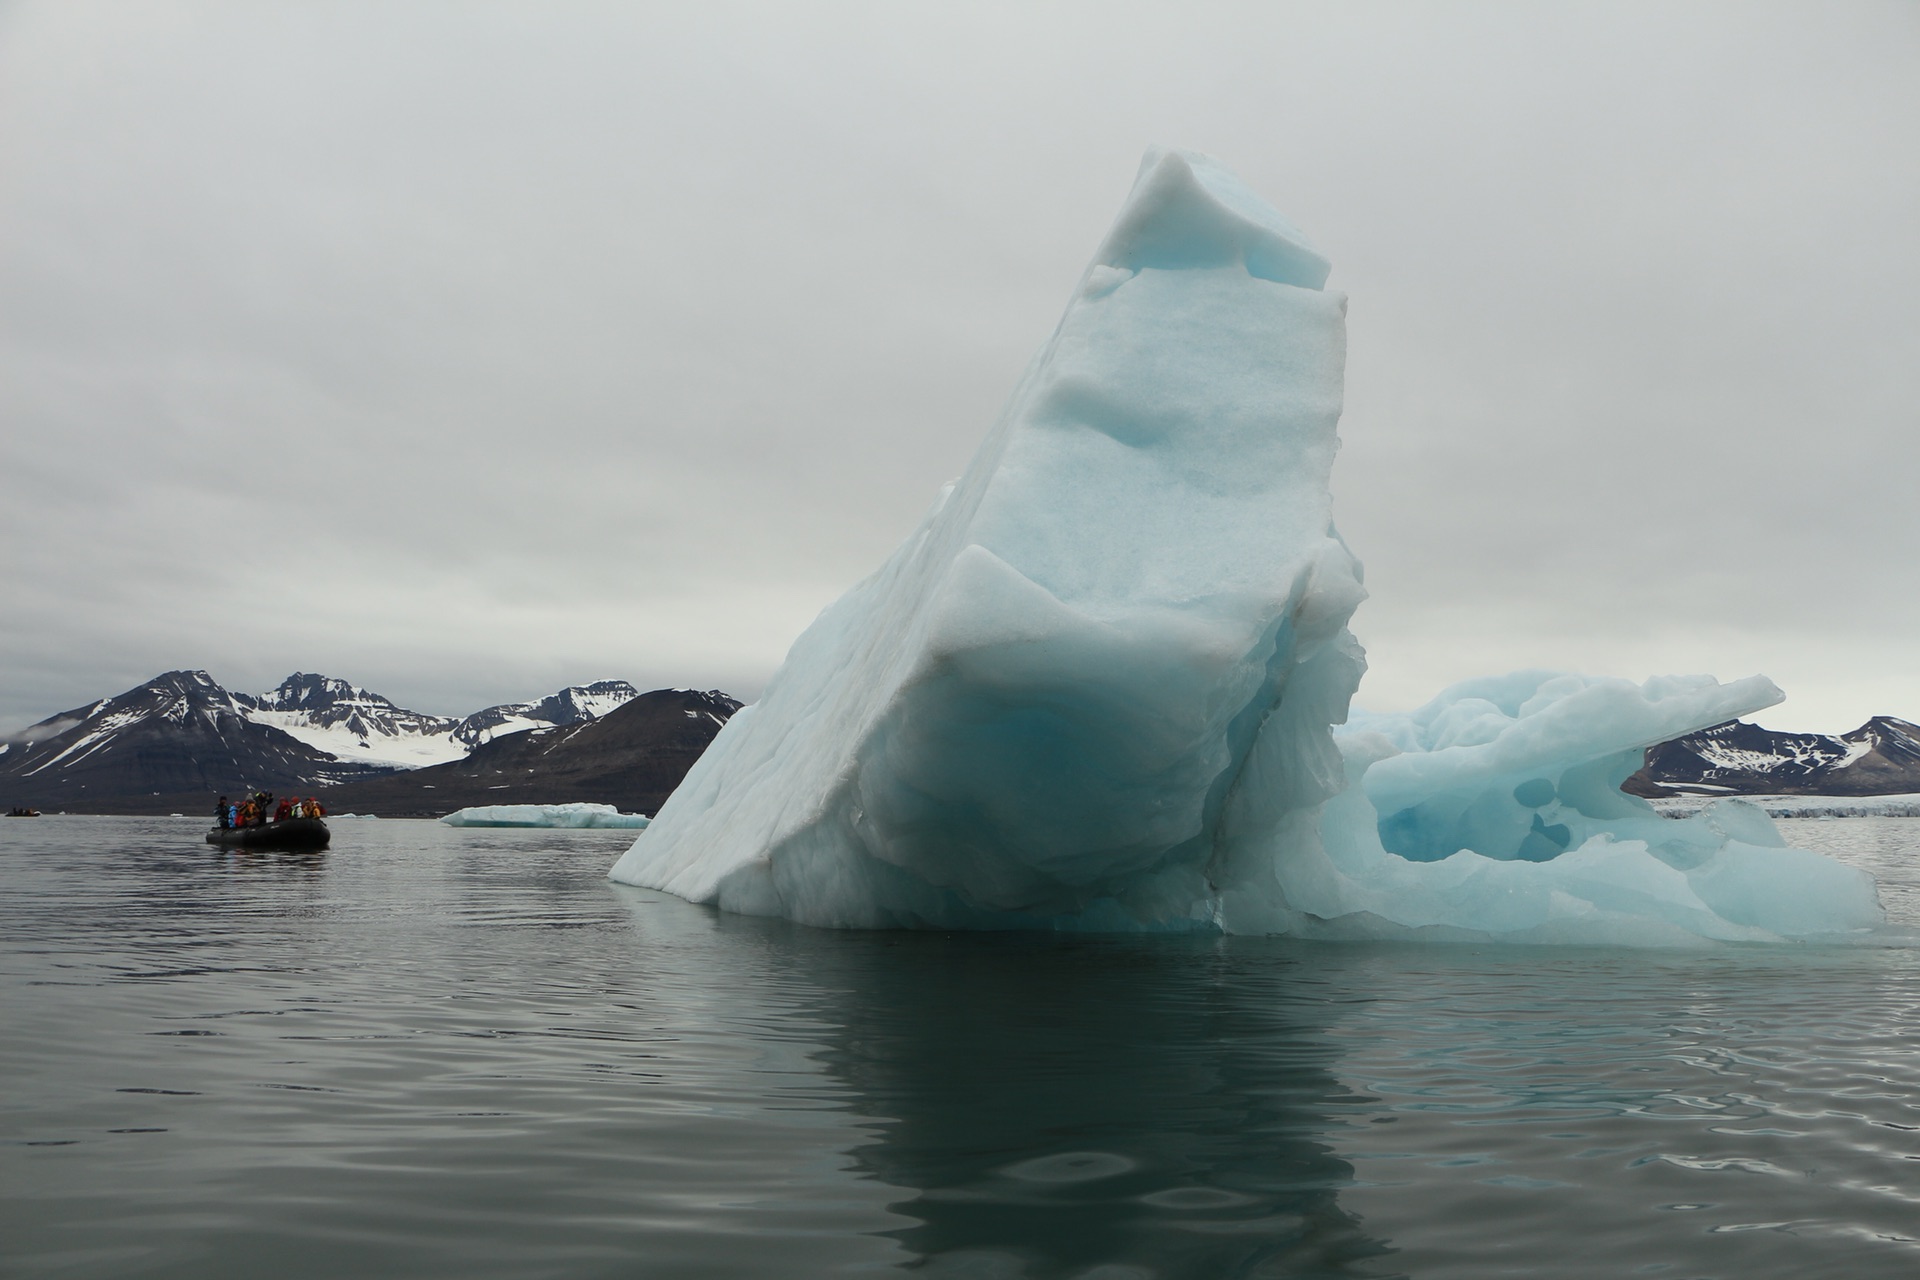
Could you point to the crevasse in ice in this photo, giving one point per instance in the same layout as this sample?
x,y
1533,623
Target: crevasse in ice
x,y
1096,689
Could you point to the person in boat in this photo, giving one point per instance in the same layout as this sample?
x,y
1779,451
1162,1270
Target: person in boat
x,y
284,811
223,814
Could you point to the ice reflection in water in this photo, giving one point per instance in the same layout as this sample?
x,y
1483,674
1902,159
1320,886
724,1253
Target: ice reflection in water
x,y
1057,1105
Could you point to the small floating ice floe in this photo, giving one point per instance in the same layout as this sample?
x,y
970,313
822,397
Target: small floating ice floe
x,y
544,815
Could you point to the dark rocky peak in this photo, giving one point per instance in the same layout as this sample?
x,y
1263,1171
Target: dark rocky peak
x,y
329,702
582,702
1738,735
576,704
1889,735
1881,757
172,695
712,701
303,691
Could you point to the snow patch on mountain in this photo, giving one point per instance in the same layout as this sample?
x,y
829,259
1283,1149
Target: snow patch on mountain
x,y
99,735
372,746
352,723
575,704
1881,757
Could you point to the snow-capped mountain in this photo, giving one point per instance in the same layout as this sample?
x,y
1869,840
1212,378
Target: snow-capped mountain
x,y
575,704
632,758
350,723
177,738
181,738
1881,757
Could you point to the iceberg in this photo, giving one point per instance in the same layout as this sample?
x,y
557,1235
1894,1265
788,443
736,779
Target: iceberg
x,y
1113,649
1097,688
1495,812
573,816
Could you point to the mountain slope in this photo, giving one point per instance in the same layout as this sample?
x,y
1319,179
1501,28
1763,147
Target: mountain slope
x,y
632,757
176,741
1881,757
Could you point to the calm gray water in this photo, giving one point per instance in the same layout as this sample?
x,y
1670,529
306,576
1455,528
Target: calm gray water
x,y
430,1052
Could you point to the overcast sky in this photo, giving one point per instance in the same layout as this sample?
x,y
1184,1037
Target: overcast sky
x,y
466,350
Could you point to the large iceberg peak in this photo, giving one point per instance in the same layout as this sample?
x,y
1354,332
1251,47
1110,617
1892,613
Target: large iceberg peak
x,y
1189,210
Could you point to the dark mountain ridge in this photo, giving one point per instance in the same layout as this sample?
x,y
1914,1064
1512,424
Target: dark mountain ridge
x,y
632,758
177,739
1881,757
329,702
575,704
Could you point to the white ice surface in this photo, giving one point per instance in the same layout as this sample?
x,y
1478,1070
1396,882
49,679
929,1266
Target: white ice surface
x,y
1904,805
408,751
1096,688
543,815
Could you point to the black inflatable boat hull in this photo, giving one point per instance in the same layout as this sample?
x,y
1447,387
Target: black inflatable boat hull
x,y
293,833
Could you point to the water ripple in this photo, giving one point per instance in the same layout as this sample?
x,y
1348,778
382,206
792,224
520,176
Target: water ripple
x,y
436,1053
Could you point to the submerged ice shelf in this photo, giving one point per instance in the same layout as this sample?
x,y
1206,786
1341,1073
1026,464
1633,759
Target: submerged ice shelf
x,y
1097,688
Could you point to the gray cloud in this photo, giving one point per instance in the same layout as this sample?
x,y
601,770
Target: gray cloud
x,y
41,732
468,350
